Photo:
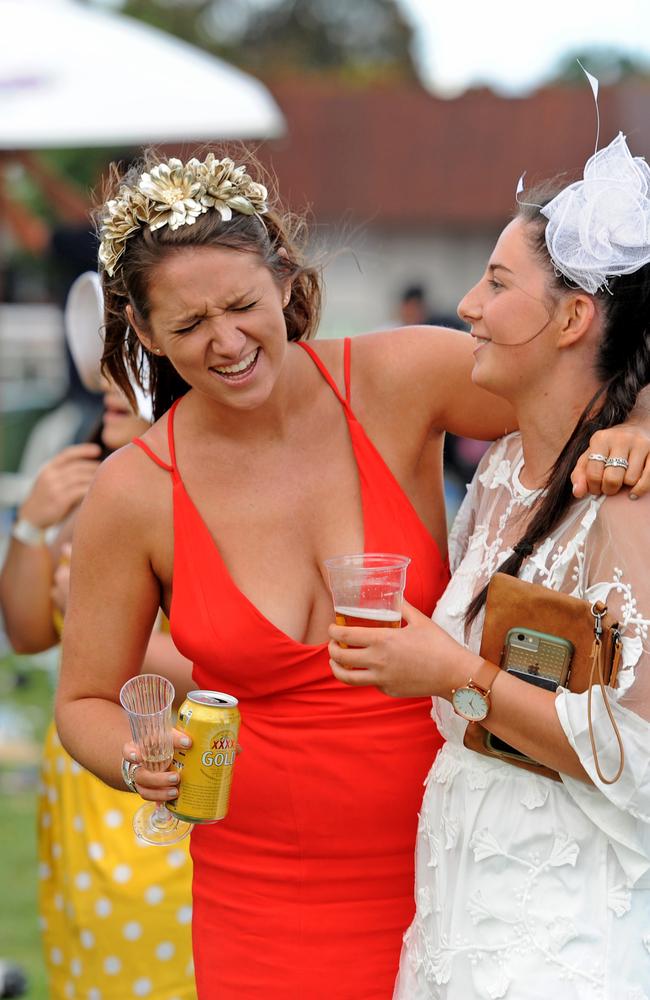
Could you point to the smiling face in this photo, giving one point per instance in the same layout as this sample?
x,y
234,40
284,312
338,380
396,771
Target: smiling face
x,y
216,314
512,315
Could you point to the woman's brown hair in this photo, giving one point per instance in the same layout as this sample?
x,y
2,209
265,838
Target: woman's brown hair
x,y
622,366
278,237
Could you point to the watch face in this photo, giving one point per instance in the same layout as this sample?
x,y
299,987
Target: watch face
x,y
470,704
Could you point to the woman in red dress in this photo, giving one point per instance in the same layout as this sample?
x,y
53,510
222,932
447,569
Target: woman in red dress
x,y
267,457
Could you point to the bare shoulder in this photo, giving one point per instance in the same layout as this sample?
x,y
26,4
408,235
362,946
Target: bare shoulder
x,y
622,518
128,493
421,375
406,348
401,348
396,357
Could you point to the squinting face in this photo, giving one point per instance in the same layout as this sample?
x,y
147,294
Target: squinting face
x,y
217,315
511,317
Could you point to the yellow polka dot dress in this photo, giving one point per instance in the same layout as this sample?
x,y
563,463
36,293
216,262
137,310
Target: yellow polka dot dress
x,y
115,913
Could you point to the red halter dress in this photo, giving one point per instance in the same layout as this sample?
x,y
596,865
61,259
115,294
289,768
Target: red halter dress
x,y
304,891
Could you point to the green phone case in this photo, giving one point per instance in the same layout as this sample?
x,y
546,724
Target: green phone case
x,y
538,654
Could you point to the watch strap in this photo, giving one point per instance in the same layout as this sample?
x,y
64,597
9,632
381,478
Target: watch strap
x,y
484,676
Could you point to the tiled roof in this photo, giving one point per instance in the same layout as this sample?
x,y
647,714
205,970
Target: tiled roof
x,y
398,156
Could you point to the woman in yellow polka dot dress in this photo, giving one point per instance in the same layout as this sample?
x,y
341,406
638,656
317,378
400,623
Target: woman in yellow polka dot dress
x,y
115,913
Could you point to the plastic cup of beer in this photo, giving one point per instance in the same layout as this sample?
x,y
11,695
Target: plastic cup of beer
x,y
368,589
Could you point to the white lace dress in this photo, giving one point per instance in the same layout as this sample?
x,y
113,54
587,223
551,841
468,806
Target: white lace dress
x,y
527,888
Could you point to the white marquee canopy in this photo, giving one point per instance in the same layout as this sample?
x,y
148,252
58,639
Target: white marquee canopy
x,y
73,75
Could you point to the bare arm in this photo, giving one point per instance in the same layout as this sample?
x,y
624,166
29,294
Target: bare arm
x,y
114,599
422,660
162,657
422,376
28,571
25,584
428,370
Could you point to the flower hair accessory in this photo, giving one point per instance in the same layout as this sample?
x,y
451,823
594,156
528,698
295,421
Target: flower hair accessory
x,y
599,227
175,194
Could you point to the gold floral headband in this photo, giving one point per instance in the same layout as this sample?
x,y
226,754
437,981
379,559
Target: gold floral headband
x,y
175,194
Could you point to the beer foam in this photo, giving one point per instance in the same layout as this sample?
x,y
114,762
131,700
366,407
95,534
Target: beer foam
x,y
370,614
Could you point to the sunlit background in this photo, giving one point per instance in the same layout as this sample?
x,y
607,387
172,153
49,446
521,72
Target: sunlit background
x,y
399,126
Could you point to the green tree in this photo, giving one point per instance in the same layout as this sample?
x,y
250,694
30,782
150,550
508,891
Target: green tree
x,y
607,64
363,40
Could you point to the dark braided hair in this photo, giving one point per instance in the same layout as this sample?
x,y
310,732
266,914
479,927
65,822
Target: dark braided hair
x,y
622,367
266,236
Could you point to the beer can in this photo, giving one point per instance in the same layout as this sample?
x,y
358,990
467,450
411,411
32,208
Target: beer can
x,y
212,719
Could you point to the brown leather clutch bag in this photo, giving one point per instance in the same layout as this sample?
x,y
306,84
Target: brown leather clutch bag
x,y
515,604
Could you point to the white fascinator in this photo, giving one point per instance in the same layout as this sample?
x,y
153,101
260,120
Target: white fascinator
x,y
599,227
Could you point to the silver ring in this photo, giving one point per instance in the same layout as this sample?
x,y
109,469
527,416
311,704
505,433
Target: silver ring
x,y
129,767
595,456
618,463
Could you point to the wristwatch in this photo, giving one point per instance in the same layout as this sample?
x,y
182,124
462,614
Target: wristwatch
x,y
472,700
28,533
129,767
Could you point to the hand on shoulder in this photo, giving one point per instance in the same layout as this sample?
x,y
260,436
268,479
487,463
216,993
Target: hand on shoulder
x,y
617,457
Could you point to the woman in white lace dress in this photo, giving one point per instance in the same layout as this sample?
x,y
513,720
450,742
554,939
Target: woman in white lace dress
x,y
528,888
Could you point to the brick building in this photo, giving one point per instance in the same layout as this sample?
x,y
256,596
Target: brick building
x,y
417,187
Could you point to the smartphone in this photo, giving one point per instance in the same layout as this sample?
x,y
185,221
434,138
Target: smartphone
x,y
538,658
529,654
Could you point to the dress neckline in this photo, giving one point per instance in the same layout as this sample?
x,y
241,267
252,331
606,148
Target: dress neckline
x,y
214,547
231,582
524,492
312,647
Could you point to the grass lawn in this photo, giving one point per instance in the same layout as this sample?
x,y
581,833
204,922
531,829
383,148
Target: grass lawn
x,y
24,713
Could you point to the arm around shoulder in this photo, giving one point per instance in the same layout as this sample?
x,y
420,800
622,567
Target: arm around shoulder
x,y
430,368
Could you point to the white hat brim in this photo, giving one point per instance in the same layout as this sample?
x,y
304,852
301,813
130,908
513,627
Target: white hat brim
x,y
84,322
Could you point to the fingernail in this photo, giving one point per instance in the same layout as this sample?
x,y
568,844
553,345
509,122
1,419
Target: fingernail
x,y
186,741
133,756
173,779
172,793
633,496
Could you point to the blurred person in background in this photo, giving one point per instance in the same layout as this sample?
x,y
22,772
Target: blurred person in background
x,y
414,309
267,455
115,915
65,242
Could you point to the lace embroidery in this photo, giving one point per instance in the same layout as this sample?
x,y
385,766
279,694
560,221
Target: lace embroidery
x,y
517,882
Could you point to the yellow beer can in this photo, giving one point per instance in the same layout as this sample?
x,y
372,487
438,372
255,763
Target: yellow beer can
x,y
212,719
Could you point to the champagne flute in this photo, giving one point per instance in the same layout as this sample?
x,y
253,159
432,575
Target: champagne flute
x,y
147,700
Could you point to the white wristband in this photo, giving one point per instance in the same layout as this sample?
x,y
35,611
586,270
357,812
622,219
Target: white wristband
x,y
28,533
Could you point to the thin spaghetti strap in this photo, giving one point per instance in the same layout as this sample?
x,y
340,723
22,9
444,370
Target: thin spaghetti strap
x,y
152,455
323,370
170,433
170,439
347,357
